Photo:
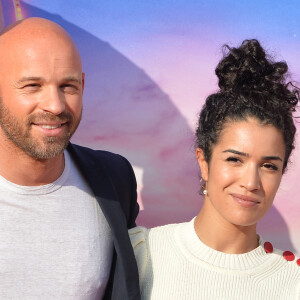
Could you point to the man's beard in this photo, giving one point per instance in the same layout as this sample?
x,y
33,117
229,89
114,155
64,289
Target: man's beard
x,y
43,147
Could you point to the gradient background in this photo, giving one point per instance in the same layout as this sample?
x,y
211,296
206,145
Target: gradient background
x,y
149,67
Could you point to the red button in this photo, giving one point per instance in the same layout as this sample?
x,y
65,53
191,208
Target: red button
x,y
288,255
268,247
298,262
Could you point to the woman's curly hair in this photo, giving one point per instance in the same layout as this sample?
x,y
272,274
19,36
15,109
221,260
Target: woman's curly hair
x,y
251,85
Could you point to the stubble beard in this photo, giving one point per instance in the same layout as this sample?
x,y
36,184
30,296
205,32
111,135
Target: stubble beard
x,y
41,148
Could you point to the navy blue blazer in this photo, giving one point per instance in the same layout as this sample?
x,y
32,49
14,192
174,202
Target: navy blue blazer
x,y
112,180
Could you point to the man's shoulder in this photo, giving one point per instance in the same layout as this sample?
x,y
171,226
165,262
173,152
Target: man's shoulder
x,y
94,152
90,155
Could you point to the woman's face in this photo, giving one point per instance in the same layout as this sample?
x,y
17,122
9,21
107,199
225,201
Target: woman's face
x,y
244,172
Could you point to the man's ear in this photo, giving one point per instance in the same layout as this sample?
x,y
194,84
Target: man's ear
x,y
202,164
83,82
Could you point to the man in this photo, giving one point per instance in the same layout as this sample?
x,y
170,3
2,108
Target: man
x,y
65,209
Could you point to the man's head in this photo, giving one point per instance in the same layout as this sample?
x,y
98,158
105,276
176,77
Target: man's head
x,y
41,85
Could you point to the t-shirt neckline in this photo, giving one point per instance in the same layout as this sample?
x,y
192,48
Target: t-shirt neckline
x,y
41,189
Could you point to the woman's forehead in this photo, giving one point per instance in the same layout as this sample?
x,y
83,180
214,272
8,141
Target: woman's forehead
x,y
250,136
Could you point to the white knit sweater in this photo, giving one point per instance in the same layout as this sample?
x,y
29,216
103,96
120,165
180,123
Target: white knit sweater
x,y
174,264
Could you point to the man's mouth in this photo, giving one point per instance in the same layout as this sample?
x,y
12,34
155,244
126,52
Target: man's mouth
x,y
51,129
50,126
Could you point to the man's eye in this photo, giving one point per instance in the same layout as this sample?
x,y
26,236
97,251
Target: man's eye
x,y
69,88
31,87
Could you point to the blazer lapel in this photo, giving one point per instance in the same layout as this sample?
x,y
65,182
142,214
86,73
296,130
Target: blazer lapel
x,y
107,198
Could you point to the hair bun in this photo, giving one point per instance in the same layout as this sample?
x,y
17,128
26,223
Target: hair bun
x,y
246,70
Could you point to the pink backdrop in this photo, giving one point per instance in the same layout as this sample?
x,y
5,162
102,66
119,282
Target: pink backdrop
x,y
149,67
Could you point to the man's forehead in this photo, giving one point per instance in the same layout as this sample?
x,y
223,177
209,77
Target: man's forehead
x,y
33,57
44,70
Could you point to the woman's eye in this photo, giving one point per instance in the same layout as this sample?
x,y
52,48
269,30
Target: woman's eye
x,y
233,159
270,167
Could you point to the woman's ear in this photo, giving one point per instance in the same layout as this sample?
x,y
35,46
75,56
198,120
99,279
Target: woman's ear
x,y
202,164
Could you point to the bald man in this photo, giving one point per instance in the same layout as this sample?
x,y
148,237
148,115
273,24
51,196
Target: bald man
x,y
65,209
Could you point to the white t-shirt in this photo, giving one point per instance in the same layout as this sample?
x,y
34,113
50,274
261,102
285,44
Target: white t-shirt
x,y
55,242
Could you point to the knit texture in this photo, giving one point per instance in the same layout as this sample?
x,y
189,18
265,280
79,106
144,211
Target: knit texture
x,y
174,264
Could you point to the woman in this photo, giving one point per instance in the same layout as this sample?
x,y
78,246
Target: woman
x,y
245,136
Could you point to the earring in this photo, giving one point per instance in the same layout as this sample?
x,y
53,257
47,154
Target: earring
x,y
203,184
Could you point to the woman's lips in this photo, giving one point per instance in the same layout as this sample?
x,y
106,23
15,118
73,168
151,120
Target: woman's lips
x,y
245,201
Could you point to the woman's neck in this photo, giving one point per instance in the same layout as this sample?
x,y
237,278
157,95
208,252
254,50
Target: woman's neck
x,y
221,235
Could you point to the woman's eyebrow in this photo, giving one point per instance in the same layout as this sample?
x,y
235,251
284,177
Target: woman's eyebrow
x,y
246,154
272,158
236,152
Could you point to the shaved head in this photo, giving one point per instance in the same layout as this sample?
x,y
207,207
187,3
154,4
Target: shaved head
x,y
34,32
41,85
34,23
34,27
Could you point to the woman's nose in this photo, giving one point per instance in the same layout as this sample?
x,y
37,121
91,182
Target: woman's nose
x,y
251,178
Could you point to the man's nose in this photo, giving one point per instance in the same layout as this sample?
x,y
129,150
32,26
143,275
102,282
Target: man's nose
x,y
251,180
53,101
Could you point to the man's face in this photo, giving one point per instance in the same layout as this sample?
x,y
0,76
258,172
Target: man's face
x,y
41,85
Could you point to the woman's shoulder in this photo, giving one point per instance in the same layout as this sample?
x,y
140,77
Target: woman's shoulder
x,y
140,236
286,262
287,270
147,243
